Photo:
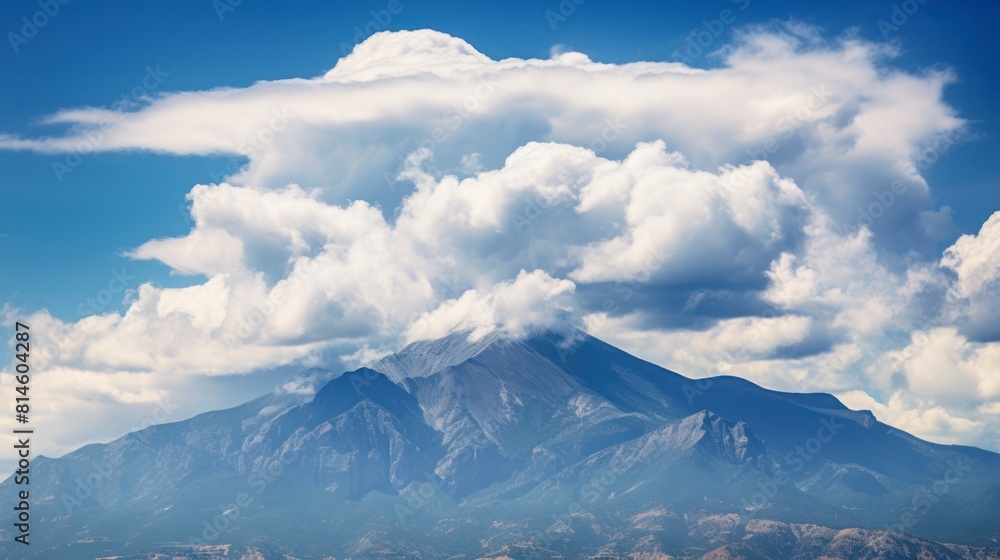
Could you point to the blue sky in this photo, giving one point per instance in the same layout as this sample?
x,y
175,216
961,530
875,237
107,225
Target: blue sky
x,y
65,234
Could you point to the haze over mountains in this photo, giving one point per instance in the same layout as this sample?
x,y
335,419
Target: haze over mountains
x,y
521,448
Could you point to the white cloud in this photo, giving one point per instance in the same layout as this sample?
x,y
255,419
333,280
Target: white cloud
x,y
703,352
833,115
975,297
976,259
414,53
206,251
749,347
533,302
635,180
289,274
838,276
926,419
599,220
688,227
941,365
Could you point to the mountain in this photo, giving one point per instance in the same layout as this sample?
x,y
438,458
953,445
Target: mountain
x,y
540,447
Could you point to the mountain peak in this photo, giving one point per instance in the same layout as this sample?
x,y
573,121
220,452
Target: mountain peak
x,y
513,428
731,441
360,385
735,441
427,357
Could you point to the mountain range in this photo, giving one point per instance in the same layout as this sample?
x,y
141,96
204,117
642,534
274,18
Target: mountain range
x,y
539,447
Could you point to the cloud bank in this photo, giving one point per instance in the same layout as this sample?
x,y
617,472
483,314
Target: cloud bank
x,y
767,218
832,114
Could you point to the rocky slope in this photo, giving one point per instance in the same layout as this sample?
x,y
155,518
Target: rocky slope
x,y
525,448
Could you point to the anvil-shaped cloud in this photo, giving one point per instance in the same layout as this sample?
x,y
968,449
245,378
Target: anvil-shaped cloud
x,y
746,219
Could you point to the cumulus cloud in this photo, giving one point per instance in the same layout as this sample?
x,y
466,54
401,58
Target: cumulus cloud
x,y
740,220
975,296
926,419
695,227
943,366
289,274
532,302
832,114
976,259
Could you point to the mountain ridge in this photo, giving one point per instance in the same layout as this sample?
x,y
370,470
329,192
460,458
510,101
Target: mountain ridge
x,y
493,435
